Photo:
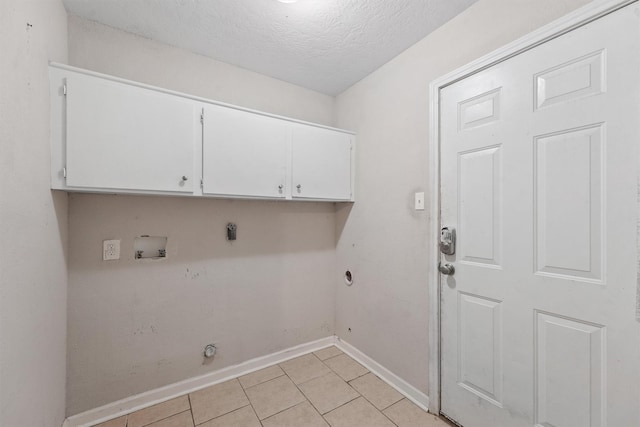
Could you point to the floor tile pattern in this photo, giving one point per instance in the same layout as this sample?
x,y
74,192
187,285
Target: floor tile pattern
x,y
326,388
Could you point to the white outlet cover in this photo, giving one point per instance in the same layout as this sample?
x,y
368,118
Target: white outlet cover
x,y
419,201
110,250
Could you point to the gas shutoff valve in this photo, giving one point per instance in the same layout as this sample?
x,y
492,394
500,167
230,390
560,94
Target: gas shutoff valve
x,y
231,231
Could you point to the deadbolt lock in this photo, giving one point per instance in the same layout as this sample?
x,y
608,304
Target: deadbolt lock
x,y
448,241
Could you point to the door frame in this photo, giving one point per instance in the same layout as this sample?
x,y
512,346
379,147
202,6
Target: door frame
x,y
575,19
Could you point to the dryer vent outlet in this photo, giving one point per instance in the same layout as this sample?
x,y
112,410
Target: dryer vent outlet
x,y
209,351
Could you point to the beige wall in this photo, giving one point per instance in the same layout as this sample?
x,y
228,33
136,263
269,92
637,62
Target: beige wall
x,y
138,325
33,221
134,325
107,50
382,239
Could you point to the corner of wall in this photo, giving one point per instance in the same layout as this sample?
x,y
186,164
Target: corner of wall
x,y
34,220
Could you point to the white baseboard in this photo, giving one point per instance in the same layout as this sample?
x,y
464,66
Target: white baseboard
x,y
412,393
149,398
162,394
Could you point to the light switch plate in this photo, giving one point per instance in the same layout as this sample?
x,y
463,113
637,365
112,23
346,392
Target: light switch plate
x,y
419,201
110,250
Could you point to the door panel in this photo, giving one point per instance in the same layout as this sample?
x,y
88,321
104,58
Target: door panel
x,y
569,372
539,166
479,110
568,219
129,138
479,204
480,335
244,154
572,80
320,163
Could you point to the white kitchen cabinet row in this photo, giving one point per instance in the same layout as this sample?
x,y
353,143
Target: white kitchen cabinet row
x,y
110,135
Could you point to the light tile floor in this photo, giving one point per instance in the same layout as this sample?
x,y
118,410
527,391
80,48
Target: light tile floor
x,y
321,389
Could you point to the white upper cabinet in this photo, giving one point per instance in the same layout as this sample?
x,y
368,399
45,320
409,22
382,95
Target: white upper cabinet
x,y
244,154
123,137
321,163
110,135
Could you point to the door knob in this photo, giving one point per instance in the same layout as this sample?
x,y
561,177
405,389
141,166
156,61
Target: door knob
x,y
446,269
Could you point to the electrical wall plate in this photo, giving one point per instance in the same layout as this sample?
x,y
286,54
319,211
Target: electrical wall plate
x,y
419,201
110,250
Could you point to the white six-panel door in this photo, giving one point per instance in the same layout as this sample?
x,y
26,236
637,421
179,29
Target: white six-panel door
x,y
539,159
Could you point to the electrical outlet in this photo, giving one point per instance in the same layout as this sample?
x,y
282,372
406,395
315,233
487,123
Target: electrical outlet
x,y
419,201
110,250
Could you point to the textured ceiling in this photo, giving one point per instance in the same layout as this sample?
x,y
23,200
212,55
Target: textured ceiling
x,y
324,45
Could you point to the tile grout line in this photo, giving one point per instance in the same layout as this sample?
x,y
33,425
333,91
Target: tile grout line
x,y
301,392
296,386
188,395
335,373
346,403
330,357
347,382
360,376
402,397
266,381
244,390
193,418
380,410
314,406
374,406
363,396
387,407
249,400
158,420
228,412
306,399
291,407
360,394
279,412
333,357
357,392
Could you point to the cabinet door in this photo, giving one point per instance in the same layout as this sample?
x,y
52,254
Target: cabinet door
x,y
321,163
124,137
244,154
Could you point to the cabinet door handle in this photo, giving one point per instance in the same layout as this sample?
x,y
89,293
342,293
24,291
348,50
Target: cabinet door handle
x,y
280,187
184,178
299,187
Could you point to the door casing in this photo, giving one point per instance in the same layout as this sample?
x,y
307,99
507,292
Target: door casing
x,y
576,19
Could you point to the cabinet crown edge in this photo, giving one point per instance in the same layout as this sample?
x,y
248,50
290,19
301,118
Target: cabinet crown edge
x,y
71,68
